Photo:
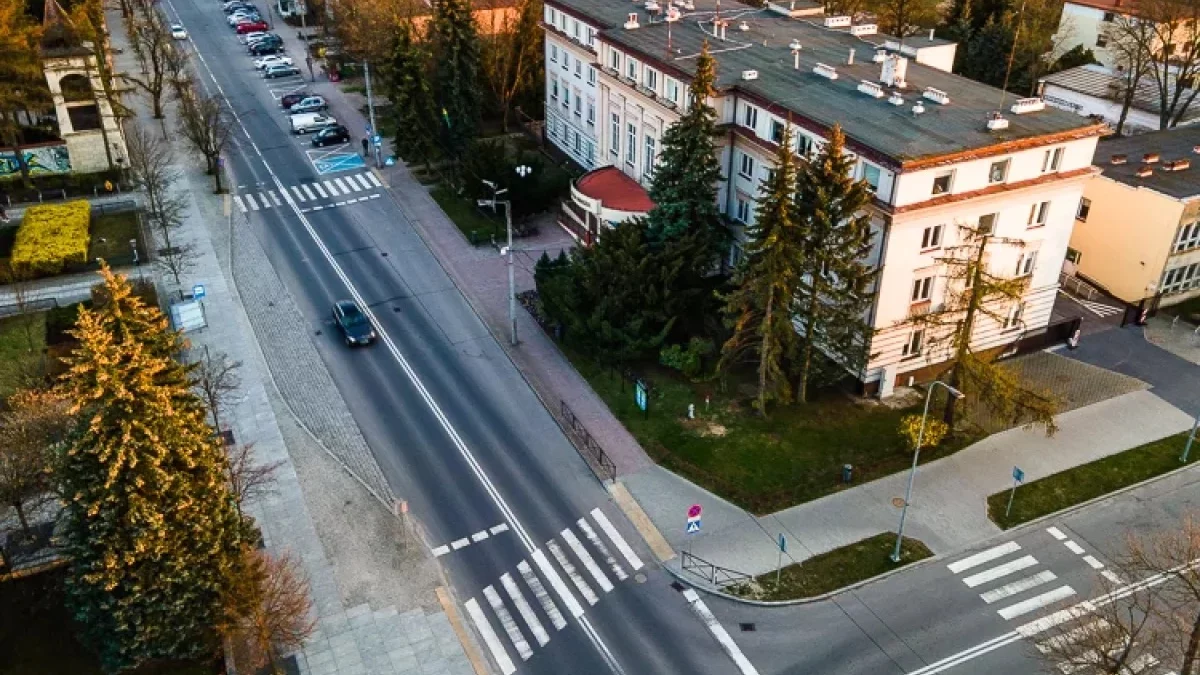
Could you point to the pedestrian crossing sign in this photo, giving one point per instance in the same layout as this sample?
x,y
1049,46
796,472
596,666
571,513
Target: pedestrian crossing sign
x,y
693,526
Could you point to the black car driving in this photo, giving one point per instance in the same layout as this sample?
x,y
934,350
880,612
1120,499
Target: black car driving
x,y
356,328
331,136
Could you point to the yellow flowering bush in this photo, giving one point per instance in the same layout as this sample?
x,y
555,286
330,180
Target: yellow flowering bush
x,y
910,428
52,236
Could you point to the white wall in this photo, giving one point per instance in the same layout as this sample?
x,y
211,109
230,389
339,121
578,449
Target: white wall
x,y
570,64
1137,121
1080,25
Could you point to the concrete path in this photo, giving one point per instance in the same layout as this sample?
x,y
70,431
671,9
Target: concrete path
x,y
63,290
1176,336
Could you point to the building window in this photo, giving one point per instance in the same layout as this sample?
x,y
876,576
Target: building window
x,y
614,138
566,61
743,211
591,152
673,90
575,28
614,60
578,69
1181,279
922,289
914,344
578,104
1026,263
998,172
750,117
942,181
1038,213
932,238
1189,237
1085,207
562,22
1052,160
566,101
735,254
1101,40
1109,17
554,53
776,131
591,75
631,69
1015,315
804,145
987,223
871,175
631,146
1074,256
554,89
651,79
553,15
591,118
578,144
746,169
554,128
648,157
591,37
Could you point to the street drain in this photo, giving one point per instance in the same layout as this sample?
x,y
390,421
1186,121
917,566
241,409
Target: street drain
x,y
747,627
677,586
640,578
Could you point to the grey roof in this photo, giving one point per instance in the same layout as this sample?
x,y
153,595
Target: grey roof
x,y
892,131
1172,144
1099,82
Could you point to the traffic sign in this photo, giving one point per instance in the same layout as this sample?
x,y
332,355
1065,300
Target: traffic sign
x,y
694,512
782,543
198,291
693,526
368,130
1018,475
377,140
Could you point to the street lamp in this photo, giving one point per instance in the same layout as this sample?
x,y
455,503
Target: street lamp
x,y
522,171
1187,449
912,474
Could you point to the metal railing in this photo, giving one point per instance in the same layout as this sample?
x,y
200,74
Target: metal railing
x,y
1078,287
586,446
29,306
713,574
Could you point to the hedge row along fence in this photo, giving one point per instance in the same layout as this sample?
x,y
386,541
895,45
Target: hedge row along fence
x,y
52,236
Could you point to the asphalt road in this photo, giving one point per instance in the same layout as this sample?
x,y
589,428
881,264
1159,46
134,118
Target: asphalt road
x,y
454,427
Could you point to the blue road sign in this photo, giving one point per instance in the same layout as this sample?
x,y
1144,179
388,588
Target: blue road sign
x,y
1018,474
198,291
693,526
782,543
639,395
377,140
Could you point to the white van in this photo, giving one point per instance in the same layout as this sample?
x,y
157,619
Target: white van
x,y
306,123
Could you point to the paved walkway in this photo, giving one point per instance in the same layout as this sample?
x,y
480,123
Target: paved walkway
x,y
64,289
1176,336
1127,351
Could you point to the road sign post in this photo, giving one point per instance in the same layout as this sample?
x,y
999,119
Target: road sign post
x,y
1018,477
779,564
693,523
641,397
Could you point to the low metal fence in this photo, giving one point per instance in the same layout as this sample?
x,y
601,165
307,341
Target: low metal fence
x,y
712,573
12,309
586,446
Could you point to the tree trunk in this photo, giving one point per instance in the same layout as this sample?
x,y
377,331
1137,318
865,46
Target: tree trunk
x,y
762,361
1188,667
217,175
24,520
964,341
806,360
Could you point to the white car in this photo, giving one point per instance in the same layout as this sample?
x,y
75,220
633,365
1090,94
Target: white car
x,y
272,60
239,15
251,38
178,32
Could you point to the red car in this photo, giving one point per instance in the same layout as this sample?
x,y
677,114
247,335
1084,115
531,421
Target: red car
x,y
250,27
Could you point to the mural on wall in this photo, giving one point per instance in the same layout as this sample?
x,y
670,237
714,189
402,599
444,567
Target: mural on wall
x,y
40,160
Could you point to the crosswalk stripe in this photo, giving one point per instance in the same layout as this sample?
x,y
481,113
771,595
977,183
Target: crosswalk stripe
x,y
588,561
1093,562
580,584
543,598
353,184
531,620
330,186
240,203
361,179
1056,533
1051,620
1036,602
1075,548
250,200
1018,586
615,537
316,187
343,185
984,556
556,582
1071,637
508,623
600,546
1000,571
274,199
299,195
374,181
489,637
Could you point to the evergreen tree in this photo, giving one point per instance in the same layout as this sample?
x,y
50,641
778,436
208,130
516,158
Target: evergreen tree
x,y
987,54
835,292
149,525
759,309
456,57
412,102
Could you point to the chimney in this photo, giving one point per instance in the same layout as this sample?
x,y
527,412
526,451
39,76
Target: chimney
x,y
1150,158
895,68
1144,172
1118,159
1177,165
850,59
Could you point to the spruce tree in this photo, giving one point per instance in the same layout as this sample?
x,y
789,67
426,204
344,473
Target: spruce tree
x,y
759,308
412,101
149,525
835,293
456,55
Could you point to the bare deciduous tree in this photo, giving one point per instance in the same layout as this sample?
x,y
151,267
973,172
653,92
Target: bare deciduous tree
x,y
273,614
152,43
248,479
30,426
1131,43
206,122
217,382
151,165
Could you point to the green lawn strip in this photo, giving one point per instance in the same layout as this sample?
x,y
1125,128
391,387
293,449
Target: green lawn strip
x,y
110,235
834,569
464,215
22,347
763,465
1088,481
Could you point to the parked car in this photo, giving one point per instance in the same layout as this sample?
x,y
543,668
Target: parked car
x,y
292,99
280,70
234,5
242,15
250,27
272,60
255,38
250,37
353,323
308,123
264,47
178,32
331,136
308,105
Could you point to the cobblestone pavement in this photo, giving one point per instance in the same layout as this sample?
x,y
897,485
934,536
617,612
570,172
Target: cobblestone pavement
x,y
1176,336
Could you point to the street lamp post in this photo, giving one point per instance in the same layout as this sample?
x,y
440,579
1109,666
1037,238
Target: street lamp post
x,y
522,171
912,474
1187,449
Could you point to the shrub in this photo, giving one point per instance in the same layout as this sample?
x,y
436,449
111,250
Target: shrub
x,y
52,236
688,360
910,428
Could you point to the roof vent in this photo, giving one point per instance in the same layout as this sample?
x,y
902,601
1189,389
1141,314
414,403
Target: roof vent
x,y
795,46
652,5
864,29
880,55
870,89
996,121
632,22
1150,158
749,75
919,108
1027,105
1177,165
937,96
743,26
1118,159
894,72
825,71
673,13
837,21
896,99
688,5
1144,172
1196,149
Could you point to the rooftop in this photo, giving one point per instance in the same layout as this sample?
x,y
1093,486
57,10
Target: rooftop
x,y
1099,82
615,190
1166,148
760,40
1120,6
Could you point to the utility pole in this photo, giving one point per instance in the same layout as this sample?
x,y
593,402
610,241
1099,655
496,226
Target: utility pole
x,y
371,112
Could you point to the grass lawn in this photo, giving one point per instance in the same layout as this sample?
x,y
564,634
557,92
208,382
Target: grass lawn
x,y
464,215
37,635
833,570
22,343
1088,481
762,465
110,235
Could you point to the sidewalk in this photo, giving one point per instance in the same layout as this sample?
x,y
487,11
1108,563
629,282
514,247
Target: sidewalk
x,y
67,288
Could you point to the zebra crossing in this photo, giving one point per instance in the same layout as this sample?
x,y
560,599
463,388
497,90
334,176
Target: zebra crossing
x,y
309,196
510,623
1005,575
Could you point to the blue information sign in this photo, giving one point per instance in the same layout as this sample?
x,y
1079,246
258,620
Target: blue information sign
x,y
198,291
1018,474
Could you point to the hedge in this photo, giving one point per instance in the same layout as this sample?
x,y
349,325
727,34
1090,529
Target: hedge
x,y
52,236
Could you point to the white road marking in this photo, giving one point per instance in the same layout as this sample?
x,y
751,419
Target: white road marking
x,y
374,181
1000,571
1036,602
984,556
361,179
441,551
1018,586
479,536
331,187
375,196
588,561
1075,548
1093,562
342,185
340,204
617,540
508,623
489,637
497,529
459,543
308,192
317,208
600,546
250,200
1049,621
299,195
580,584
320,190
241,205
1112,577
557,583
526,612
543,598
1071,637
274,199
719,633
1056,533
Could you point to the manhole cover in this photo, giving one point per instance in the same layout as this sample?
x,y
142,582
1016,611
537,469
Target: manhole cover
x,y
318,332
747,627
395,309
640,578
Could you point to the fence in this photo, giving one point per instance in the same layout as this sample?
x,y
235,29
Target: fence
x,y
587,447
37,305
1078,287
714,574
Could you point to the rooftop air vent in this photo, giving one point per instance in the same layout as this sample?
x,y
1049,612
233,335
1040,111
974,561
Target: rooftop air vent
x,y
632,22
652,6
1027,105
825,71
795,46
937,96
1150,158
880,55
864,29
1196,149
837,21
896,99
749,75
870,89
1177,165
996,122
1118,159
688,5
743,26
1144,172
895,71
918,109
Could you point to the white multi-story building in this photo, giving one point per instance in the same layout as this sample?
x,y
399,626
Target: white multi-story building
x,y
937,150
